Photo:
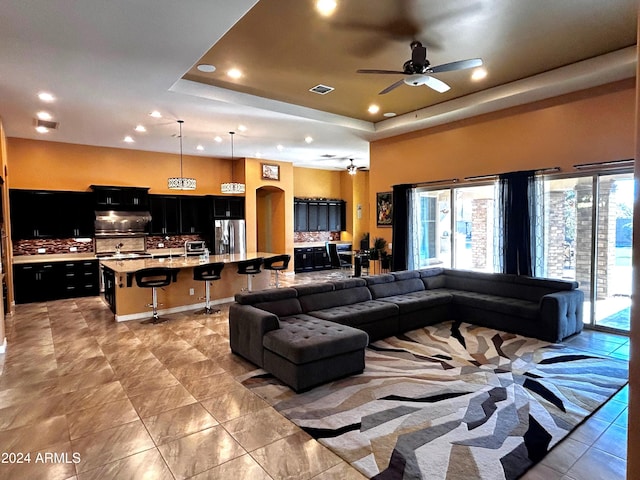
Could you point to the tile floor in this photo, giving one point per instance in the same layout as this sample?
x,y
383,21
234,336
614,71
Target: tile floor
x,y
133,401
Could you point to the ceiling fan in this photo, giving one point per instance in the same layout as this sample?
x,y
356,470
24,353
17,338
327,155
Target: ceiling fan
x,y
418,69
352,169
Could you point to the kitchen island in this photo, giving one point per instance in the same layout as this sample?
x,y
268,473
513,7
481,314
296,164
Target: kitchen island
x,y
129,302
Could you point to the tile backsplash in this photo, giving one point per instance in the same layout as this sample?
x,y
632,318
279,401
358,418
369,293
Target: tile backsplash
x,y
303,237
51,246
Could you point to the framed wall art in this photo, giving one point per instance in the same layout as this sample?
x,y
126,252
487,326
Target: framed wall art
x,y
270,172
384,208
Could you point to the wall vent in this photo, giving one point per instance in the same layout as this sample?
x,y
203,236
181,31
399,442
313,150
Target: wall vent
x,y
321,89
46,124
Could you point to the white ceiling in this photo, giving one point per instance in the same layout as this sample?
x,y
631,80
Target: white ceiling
x,y
111,62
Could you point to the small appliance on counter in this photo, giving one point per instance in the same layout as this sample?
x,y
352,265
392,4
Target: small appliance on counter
x,y
194,248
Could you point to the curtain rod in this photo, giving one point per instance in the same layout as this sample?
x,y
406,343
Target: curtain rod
x,y
495,175
436,182
610,164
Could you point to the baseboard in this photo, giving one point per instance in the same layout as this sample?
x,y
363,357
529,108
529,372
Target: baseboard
x,y
167,311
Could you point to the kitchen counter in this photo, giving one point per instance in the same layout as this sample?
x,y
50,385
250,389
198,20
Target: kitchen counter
x,y
53,257
129,302
319,244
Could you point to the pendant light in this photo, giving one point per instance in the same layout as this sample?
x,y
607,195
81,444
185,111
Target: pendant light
x,y
181,182
232,187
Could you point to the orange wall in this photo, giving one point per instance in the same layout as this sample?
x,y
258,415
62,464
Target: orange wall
x,y
590,126
63,166
314,183
282,204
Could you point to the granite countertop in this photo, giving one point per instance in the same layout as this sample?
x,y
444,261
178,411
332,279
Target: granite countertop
x,y
128,266
53,257
320,244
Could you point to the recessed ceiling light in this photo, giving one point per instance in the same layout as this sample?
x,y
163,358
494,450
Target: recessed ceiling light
x,y
46,97
41,129
155,114
478,74
234,73
258,155
206,68
373,109
140,128
242,128
218,139
280,147
128,139
389,114
308,139
44,115
326,7
200,148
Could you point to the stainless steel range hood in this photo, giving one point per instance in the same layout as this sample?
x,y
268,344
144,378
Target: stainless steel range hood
x,y
111,223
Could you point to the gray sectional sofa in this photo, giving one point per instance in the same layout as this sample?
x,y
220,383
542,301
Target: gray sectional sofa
x,y
310,334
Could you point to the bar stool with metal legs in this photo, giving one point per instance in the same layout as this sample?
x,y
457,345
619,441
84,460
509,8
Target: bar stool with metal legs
x,y
276,264
208,273
249,268
154,278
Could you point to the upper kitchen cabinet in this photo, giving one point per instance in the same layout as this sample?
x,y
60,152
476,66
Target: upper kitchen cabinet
x,y
194,214
77,217
51,214
34,214
228,207
319,215
165,215
120,198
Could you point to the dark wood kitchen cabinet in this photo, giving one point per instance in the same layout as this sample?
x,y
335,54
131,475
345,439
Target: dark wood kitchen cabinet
x,y
303,259
36,282
44,281
194,214
228,208
37,214
165,215
319,215
120,198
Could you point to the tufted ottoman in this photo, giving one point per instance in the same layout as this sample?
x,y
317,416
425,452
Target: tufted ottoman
x,y
307,351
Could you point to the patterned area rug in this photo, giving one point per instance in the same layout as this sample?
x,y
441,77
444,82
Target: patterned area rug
x,y
451,401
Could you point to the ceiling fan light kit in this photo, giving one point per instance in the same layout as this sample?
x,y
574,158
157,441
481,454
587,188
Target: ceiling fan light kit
x,y
418,70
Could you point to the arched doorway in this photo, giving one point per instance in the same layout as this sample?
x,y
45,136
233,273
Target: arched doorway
x,y
270,219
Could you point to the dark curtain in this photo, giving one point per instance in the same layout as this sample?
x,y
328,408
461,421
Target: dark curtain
x,y
401,227
516,193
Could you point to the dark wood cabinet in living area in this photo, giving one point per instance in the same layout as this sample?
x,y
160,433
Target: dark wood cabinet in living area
x,y
228,208
319,215
38,214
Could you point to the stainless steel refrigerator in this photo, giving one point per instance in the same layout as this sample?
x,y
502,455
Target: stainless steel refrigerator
x,y
229,237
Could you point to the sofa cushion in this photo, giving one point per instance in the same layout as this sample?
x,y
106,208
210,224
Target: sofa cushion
x,y
414,301
378,279
282,308
302,339
334,298
261,296
508,306
348,283
310,288
360,313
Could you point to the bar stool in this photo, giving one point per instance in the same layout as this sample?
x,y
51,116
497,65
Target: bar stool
x,y
208,273
154,278
249,267
277,263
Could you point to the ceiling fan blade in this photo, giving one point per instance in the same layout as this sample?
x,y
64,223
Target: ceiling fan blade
x,y
459,65
438,85
391,87
379,71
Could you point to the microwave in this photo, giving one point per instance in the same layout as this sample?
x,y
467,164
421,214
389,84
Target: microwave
x,y
194,247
